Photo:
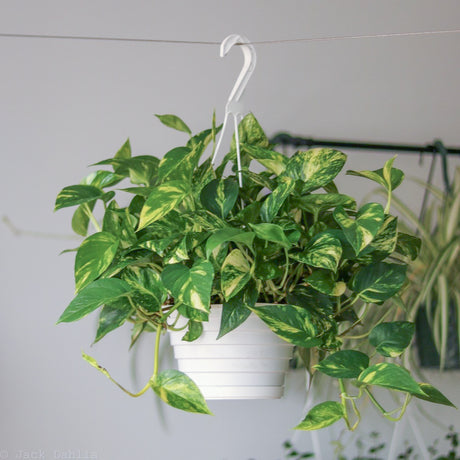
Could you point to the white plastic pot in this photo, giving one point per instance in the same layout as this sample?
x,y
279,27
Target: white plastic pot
x,y
249,362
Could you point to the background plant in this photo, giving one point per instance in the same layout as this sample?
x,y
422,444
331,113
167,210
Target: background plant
x,y
190,237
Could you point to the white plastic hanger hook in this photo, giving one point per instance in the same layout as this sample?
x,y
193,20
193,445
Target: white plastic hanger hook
x,y
233,107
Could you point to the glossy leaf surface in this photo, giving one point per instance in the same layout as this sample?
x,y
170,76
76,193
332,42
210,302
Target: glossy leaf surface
x,y
391,339
344,364
321,416
180,391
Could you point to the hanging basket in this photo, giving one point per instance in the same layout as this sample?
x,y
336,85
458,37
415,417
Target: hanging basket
x,y
249,362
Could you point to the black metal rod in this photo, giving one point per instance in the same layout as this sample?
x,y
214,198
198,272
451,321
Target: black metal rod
x,y
288,140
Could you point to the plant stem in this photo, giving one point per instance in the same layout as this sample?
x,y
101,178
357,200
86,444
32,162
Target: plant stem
x,y
157,352
343,394
91,217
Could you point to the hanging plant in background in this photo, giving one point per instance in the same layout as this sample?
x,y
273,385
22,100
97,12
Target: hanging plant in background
x,y
191,237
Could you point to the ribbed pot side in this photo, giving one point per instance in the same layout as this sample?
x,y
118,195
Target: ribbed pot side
x,y
249,362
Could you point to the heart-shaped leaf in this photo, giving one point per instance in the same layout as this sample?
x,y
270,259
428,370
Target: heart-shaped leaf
x,y
228,234
323,281
276,199
378,282
77,194
235,274
321,416
344,364
219,196
237,309
323,251
161,201
178,164
362,230
191,286
93,257
316,167
293,324
112,316
99,292
390,375
180,391
274,161
391,339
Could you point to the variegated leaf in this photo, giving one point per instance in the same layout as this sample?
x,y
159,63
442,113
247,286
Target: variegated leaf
x,y
191,286
99,292
321,416
316,167
315,203
378,282
390,375
219,196
179,164
276,199
77,194
180,391
235,274
323,251
344,364
93,257
293,324
361,230
112,316
392,338
323,281
274,161
161,201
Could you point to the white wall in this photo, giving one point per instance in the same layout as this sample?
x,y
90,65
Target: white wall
x,y
67,104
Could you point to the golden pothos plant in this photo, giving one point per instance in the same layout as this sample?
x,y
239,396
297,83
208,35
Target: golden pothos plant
x,y
190,236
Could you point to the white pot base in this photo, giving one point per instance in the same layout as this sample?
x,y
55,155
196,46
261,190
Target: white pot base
x,y
249,362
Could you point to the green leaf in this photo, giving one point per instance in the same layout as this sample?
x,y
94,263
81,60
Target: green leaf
x,y
293,324
148,289
408,245
316,203
321,416
124,151
324,282
179,164
237,309
142,169
433,395
388,177
276,199
173,121
384,242
323,251
191,286
274,161
161,201
389,375
378,282
80,218
316,167
362,230
219,196
102,178
251,133
93,257
195,329
99,292
391,339
228,234
271,232
344,364
112,316
235,274
180,391
77,194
